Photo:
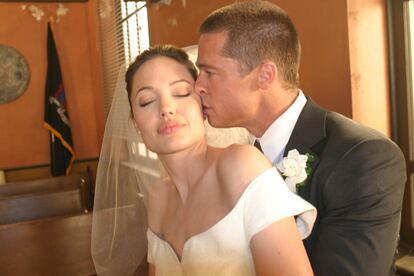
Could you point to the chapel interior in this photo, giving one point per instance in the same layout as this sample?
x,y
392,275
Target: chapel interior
x,y
354,61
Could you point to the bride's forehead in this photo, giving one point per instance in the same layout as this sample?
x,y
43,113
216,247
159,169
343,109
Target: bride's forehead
x,y
161,68
162,63
161,76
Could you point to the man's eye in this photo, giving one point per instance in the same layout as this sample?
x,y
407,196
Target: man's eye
x,y
208,73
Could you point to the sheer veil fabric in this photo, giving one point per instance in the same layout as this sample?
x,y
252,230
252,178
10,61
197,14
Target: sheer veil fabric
x,y
125,171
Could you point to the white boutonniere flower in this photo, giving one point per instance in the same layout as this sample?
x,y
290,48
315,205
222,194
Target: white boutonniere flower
x,y
295,168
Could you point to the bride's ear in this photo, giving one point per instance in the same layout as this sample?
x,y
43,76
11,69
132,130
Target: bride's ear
x,y
267,73
134,123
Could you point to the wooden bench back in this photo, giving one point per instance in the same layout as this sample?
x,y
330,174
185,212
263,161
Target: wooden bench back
x,y
42,185
56,196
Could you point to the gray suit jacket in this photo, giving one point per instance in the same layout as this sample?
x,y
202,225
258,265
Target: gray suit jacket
x,y
357,185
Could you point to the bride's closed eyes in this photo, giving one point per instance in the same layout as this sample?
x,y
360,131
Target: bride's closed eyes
x,y
182,94
180,88
144,103
145,100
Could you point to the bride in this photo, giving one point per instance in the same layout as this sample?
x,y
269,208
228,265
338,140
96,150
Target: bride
x,y
215,211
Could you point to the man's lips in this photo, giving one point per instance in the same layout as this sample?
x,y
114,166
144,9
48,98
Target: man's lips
x,y
205,108
169,128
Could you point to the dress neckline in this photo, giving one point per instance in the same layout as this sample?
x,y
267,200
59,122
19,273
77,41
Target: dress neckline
x,y
214,226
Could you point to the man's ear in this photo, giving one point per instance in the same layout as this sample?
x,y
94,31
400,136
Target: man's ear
x,y
267,74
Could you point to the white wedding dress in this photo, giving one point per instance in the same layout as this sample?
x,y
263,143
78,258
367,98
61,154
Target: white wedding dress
x,y
223,249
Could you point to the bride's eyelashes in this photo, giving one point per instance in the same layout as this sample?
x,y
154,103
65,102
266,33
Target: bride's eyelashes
x,y
146,102
182,95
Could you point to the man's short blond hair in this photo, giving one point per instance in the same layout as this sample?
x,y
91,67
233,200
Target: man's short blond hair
x,y
258,31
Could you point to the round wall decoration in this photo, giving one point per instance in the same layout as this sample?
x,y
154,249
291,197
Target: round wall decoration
x,y
14,74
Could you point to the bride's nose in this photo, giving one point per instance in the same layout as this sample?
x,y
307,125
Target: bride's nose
x,y
166,112
167,109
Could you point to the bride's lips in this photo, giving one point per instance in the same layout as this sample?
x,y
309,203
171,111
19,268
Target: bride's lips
x,y
169,127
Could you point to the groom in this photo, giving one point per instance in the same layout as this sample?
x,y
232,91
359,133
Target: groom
x,y
248,58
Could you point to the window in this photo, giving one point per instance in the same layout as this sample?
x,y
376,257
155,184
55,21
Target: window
x,y
123,28
135,28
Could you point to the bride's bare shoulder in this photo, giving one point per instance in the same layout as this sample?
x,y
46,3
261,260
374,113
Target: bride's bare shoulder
x,y
242,158
237,166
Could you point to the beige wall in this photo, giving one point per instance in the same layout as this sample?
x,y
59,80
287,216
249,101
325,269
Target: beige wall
x,y
369,64
23,140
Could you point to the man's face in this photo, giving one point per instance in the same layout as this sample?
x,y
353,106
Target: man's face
x,y
227,97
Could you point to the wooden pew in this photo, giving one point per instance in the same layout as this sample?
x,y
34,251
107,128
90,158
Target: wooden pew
x,y
36,199
58,246
43,185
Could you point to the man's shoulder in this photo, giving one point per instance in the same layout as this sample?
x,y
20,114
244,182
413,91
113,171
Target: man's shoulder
x,y
341,133
342,128
345,137
338,125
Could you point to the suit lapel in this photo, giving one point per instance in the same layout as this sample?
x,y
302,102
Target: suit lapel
x,y
308,132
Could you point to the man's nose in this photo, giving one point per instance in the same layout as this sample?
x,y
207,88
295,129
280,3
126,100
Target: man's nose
x,y
199,86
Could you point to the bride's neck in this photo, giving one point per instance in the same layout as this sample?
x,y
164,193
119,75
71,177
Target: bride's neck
x,y
187,167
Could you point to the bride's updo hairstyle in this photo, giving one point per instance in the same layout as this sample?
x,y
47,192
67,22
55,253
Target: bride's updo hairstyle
x,y
168,51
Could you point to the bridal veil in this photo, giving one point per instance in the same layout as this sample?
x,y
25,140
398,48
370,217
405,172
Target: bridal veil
x,y
125,171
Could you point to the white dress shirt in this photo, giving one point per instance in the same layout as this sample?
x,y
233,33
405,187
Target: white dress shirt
x,y
276,137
